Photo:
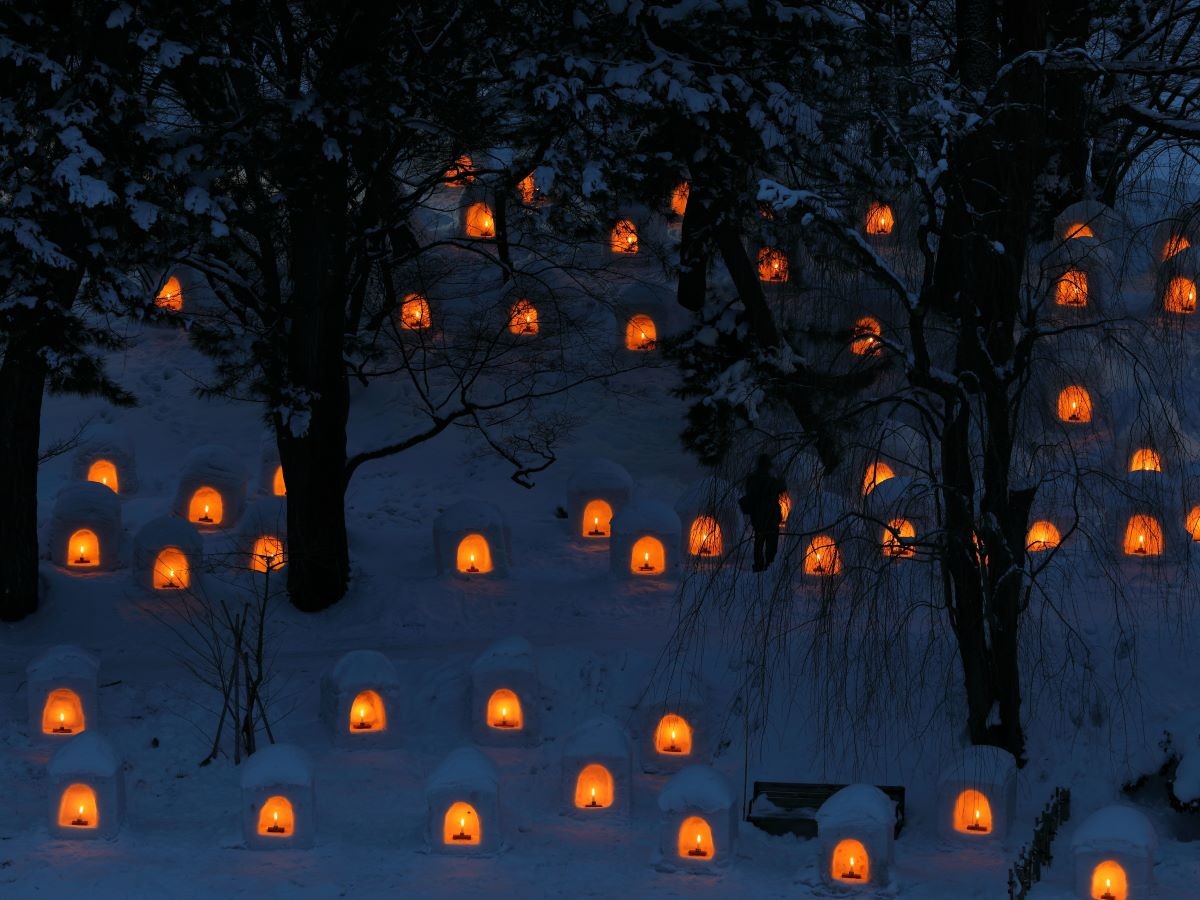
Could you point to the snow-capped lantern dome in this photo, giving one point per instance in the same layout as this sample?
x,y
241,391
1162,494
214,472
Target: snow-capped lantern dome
x,y
167,555
477,213
1176,287
1174,234
471,539
86,789
62,685
106,456
596,490
1114,850
888,448
855,834
644,316
270,470
709,514
360,701
261,538
504,694
880,218
904,506
597,770
1078,278
630,234
278,802
462,805
646,540
826,528
977,795
180,289
698,820
675,729
1089,219
85,528
212,488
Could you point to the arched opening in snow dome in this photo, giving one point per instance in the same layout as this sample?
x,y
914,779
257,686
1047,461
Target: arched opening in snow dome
x,y
276,818
63,713
1071,289
696,839
278,485
785,508
367,713
866,337
822,557
206,507
1193,523
640,333
1143,536
170,295
1074,404
77,807
972,813
1176,243
479,221
1109,881
880,219
877,473
704,537
673,736
83,549
850,862
594,787
461,825
899,535
679,198
268,554
1078,230
772,265
1180,296
527,188
624,237
648,556
523,318
504,710
414,312
171,570
597,516
1145,459
459,174
1042,535
474,556
104,472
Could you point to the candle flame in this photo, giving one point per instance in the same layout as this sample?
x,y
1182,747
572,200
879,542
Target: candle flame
x,y
81,810
62,717
593,793
276,817
462,823
362,714
852,864
697,839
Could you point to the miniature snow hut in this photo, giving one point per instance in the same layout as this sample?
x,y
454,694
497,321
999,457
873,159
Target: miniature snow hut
x,y
698,820
597,770
977,795
1114,850
212,488
1178,279
86,789
463,805
106,457
167,553
772,264
360,701
471,539
278,802
596,490
505,694
710,518
85,528
262,535
62,689
672,731
646,540
1088,219
855,833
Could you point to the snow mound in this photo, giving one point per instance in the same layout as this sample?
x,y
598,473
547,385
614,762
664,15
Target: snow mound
x,y
169,531
277,764
113,444
599,475
368,668
63,661
465,767
88,501
470,515
646,516
1115,828
1186,785
700,788
505,655
212,461
856,804
86,754
601,736
982,763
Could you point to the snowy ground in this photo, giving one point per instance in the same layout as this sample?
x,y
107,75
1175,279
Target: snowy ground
x,y
597,642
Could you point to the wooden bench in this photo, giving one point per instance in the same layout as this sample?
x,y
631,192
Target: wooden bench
x,y
791,807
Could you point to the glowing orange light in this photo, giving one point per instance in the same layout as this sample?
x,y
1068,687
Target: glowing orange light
x,y
772,265
171,569
679,198
624,237
1180,296
474,555
414,312
877,473
278,487
104,472
367,713
77,807
972,813
594,787
1074,405
479,223
704,537
1078,230
1071,289
898,538
83,549
63,713
673,736
1176,243
1042,535
880,219
640,333
276,818
268,554
822,556
523,318
1143,536
596,518
695,839
206,507
170,296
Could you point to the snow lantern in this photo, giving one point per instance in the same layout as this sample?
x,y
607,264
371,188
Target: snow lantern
x,y
414,313
105,455
1043,534
463,805
673,733
855,832
85,528
169,295
262,535
212,488
360,701
698,820
1078,275
824,523
1114,851
902,505
167,554
679,198
866,336
597,770
478,220
1178,279
87,789
644,316
1088,219
1176,233
772,265
270,469
505,694
879,220
471,539
623,239
62,689
646,540
278,803
1142,536
596,490
977,795
711,523
523,318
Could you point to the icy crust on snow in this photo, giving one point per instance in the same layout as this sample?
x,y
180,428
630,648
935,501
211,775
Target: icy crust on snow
x,y
1114,828
465,767
505,655
63,661
86,502
85,754
215,462
169,531
982,764
365,668
599,475
651,516
277,764
601,736
856,804
700,788
470,515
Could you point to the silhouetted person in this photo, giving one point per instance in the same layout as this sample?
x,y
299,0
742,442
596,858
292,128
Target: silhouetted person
x,y
761,504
